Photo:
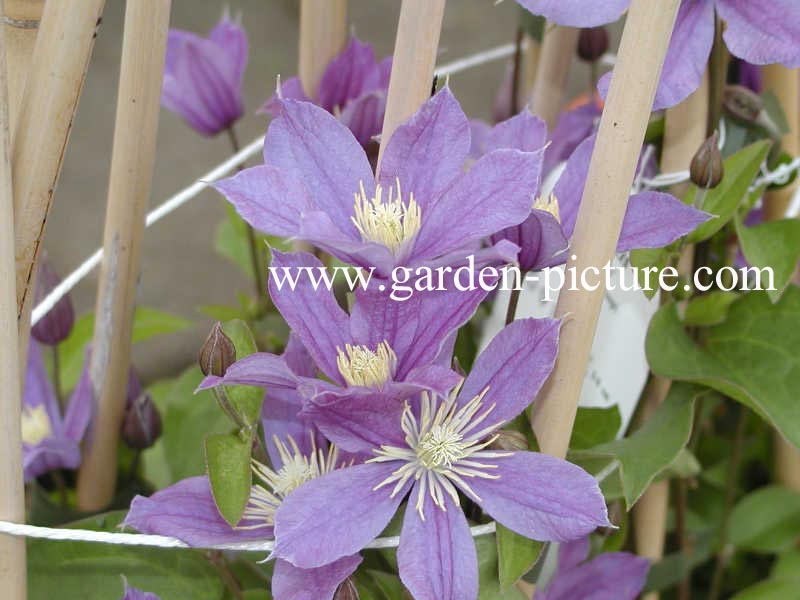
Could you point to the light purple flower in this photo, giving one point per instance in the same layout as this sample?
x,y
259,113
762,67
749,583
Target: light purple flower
x,y
132,593
317,185
758,32
353,88
437,446
50,442
652,219
609,576
55,326
203,76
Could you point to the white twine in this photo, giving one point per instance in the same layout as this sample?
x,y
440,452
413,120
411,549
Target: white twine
x,y
182,197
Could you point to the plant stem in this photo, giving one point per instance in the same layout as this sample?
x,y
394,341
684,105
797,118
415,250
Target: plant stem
x,y
513,301
685,585
255,261
718,74
216,558
724,553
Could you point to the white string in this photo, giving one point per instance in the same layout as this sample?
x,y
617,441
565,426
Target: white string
x,y
182,197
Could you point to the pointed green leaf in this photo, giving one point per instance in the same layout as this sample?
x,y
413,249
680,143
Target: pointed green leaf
x,y
595,425
516,555
766,520
709,309
246,399
228,460
774,245
490,589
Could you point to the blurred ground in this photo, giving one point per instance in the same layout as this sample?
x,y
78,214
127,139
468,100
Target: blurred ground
x,y
180,269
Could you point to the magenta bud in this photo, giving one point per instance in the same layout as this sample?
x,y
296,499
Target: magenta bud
x,y
592,43
218,352
54,327
347,591
142,424
706,169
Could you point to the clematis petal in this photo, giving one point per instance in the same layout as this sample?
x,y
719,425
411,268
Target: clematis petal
x,y
513,367
186,510
298,358
496,193
312,314
762,34
132,593
436,556
364,116
479,138
261,369
292,583
268,198
48,455
541,240
542,497
281,418
437,378
573,127
438,129
315,148
569,188
523,131
38,390
655,219
231,40
335,515
353,72
577,13
291,89
571,554
79,410
610,576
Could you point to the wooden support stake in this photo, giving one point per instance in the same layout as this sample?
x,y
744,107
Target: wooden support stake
x,y
785,84
608,184
56,74
552,71
323,34
132,162
12,490
21,24
413,63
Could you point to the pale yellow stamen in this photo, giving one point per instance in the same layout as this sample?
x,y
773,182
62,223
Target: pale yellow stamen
x,y
390,223
361,366
549,204
35,425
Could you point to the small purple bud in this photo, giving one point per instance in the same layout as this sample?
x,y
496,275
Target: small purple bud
x,y
742,104
592,43
347,591
56,325
142,424
218,352
707,170
510,441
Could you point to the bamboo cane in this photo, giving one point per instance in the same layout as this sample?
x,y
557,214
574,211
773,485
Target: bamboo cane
x,y
784,83
413,62
12,491
132,162
684,132
552,71
616,153
53,85
530,60
21,24
323,33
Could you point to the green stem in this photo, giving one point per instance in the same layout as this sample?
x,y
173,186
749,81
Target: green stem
x,y
255,261
718,75
216,558
513,302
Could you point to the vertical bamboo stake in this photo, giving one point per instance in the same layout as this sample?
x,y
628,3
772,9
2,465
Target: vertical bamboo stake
x,y
413,63
12,491
530,61
53,85
616,153
132,161
323,33
684,132
784,83
555,57
21,24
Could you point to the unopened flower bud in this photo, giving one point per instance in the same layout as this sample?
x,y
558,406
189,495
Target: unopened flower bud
x,y
707,170
592,43
218,352
142,425
510,441
56,325
346,591
742,104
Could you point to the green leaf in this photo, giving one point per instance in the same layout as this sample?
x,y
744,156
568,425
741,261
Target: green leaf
x,y
90,571
490,588
766,520
753,357
775,245
246,399
722,201
644,258
709,309
147,323
228,459
595,425
378,585
654,446
231,241
516,555
770,589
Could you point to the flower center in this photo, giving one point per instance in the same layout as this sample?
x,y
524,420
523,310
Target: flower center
x,y
293,474
549,204
35,425
391,223
361,366
441,447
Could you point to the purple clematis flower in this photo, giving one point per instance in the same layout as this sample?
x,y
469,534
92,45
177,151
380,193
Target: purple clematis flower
x,y
439,445
652,219
610,576
50,442
353,88
132,593
382,349
760,33
186,510
203,76
317,185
